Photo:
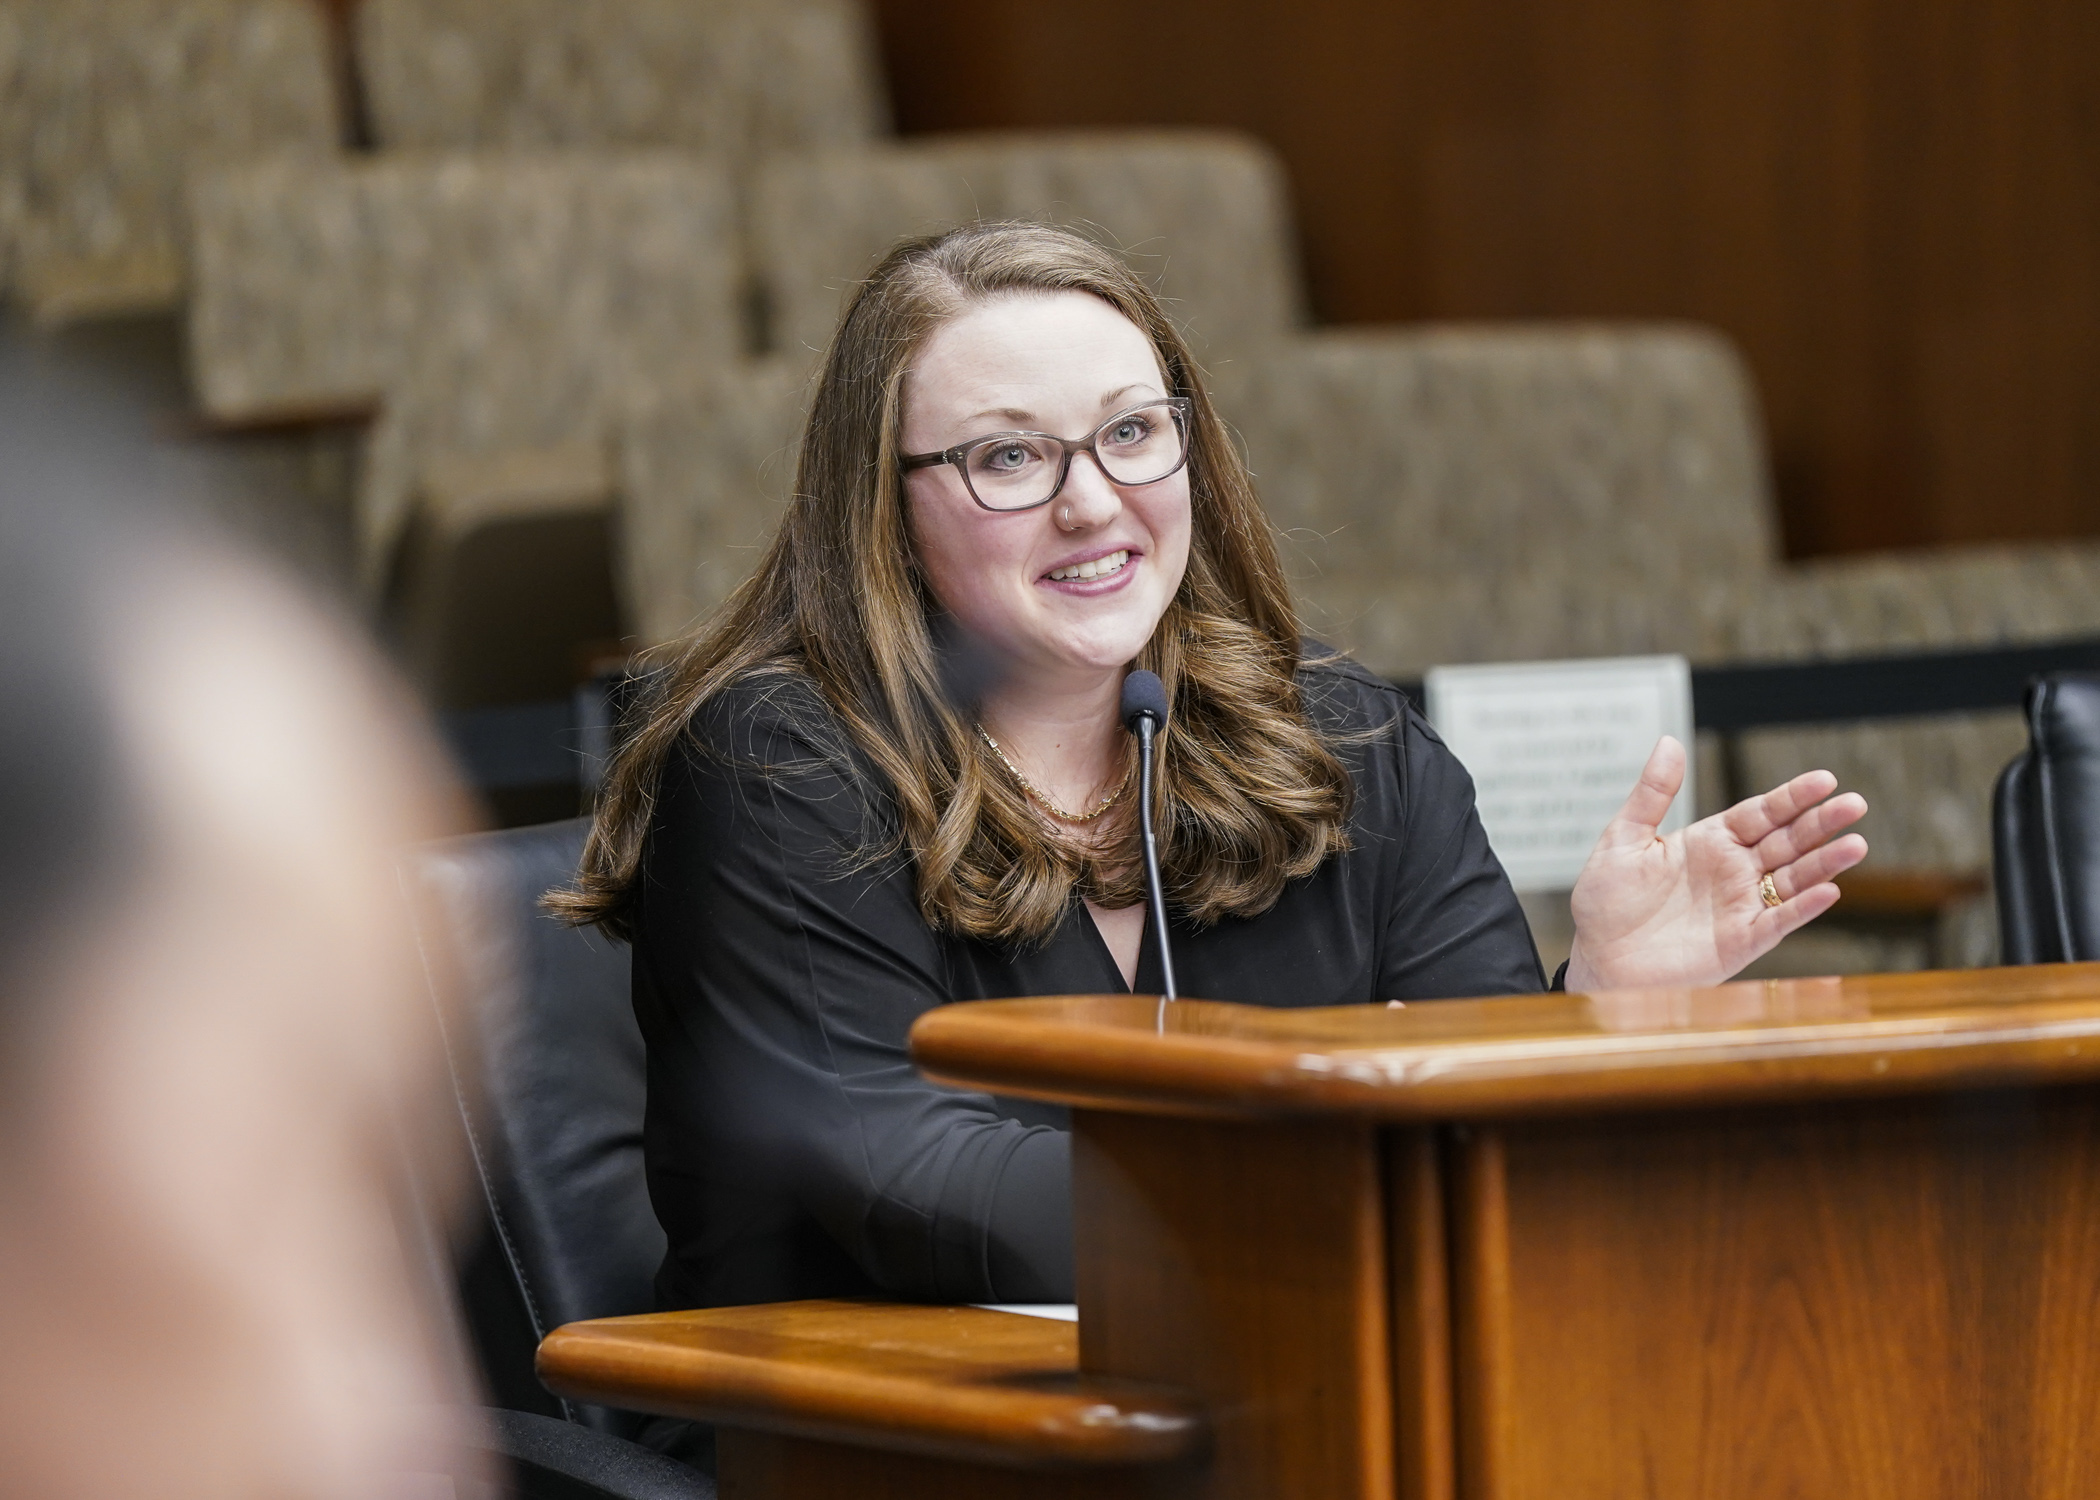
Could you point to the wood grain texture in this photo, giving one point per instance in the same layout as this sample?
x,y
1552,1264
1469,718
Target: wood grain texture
x,y
767,1466
1532,1054
1416,1234
1893,207
1484,1341
1906,894
1885,1299
1245,1263
958,1383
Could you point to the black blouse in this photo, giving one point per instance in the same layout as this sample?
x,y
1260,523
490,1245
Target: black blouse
x,y
793,1150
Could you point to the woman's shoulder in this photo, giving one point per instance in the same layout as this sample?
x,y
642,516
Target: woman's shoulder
x,y
769,746
1343,696
772,717
1380,733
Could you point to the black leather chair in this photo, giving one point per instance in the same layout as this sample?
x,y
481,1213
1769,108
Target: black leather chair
x,y
2045,817
549,1074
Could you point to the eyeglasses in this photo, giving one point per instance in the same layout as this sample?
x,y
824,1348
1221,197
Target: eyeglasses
x,y
1021,470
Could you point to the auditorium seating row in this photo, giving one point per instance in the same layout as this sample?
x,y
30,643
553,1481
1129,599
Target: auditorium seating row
x,y
586,273
107,105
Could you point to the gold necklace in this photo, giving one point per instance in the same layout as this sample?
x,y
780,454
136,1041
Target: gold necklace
x,y
1044,802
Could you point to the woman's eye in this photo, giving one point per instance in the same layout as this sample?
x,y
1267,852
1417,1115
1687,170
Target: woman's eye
x,y
1133,430
1008,456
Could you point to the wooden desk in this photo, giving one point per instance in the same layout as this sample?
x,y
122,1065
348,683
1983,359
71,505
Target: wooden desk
x,y
960,1401
1801,1238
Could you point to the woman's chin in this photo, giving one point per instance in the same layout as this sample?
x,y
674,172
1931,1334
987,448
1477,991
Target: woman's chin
x,y
1109,654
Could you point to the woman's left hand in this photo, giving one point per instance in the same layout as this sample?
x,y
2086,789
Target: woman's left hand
x,y
1688,909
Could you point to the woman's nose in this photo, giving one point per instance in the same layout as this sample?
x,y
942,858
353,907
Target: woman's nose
x,y
1088,499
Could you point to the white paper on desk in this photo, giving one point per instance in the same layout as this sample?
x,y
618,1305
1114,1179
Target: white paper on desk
x,y
1062,1312
1555,746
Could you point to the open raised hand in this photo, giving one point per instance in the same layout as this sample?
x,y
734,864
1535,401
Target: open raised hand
x,y
1689,909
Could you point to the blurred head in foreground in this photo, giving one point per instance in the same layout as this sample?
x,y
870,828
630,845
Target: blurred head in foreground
x,y
213,1043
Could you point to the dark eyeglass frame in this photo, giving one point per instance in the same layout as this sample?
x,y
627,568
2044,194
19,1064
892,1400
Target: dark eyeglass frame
x,y
1183,407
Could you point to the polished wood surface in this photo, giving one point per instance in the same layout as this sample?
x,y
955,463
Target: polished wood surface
x,y
1889,1298
1893,207
1246,1263
1750,1243
957,1383
1417,1239
1455,1059
767,1466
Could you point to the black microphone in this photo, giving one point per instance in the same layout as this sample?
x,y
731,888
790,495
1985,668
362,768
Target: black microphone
x,y
1144,715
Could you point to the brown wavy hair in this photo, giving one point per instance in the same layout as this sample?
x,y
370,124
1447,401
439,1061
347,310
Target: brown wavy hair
x,y
1249,795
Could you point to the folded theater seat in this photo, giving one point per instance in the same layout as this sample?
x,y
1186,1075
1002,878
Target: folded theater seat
x,y
731,79
546,249
701,491
106,108
1504,493
1203,215
506,314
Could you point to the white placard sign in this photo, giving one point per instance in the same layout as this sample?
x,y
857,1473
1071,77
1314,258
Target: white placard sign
x,y
1555,746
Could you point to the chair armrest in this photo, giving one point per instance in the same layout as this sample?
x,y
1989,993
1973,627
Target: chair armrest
x,y
554,1460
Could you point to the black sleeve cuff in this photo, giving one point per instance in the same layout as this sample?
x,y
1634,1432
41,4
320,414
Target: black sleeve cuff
x,y
1560,977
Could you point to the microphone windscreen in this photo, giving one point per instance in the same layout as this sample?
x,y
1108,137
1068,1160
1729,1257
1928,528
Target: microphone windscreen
x,y
1144,693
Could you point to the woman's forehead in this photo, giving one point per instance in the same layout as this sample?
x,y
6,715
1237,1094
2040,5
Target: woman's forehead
x,y
1025,354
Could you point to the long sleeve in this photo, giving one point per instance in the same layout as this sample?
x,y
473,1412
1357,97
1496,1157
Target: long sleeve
x,y
778,972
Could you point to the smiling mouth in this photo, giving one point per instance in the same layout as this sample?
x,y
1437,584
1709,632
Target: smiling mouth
x,y
1100,567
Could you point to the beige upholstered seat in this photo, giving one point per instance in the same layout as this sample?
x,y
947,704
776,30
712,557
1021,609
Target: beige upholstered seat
x,y
106,105
1928,781
733,78
1488,493
552,297
1203,214
295,302
511,311
702,491
494,301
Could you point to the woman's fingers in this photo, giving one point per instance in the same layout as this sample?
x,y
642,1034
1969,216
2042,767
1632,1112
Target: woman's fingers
x,y
1794,913
1811,830
1649,801
1819,866
1755,817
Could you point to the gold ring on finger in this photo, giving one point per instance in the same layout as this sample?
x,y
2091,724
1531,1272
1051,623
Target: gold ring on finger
x,y
1767,891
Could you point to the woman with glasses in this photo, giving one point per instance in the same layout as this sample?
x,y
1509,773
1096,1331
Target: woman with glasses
x,y
890,775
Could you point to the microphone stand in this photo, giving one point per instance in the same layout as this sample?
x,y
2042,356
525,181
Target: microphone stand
x,y
1144,714
1146,727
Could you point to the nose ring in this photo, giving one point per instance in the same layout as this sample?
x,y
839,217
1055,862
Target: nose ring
x,y
1064,514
